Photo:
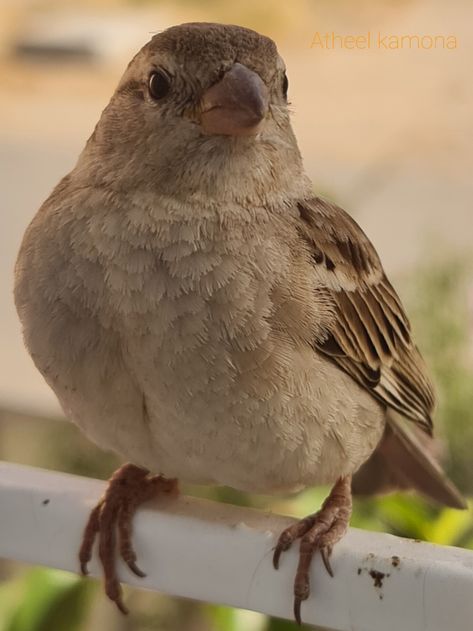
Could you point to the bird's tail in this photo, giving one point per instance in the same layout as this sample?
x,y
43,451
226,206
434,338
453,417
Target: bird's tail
x,y
405,459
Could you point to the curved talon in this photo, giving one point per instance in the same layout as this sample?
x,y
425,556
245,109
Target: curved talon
x,y
84,570
114,592
277,555
121,607
318,533
325,554
91,529
136,570
129,487
297,610
290,534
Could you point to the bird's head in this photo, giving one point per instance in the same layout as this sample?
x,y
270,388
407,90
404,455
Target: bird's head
x,y
202,108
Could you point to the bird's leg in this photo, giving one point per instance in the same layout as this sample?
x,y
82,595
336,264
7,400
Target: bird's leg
x,y
317,532
129,487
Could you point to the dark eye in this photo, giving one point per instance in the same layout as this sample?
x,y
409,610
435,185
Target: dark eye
x,y
285,86
159,84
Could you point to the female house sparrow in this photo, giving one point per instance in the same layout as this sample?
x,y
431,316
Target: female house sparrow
x,y
196,309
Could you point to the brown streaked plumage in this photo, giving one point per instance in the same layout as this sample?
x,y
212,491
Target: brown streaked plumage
x,y
197,310
370,336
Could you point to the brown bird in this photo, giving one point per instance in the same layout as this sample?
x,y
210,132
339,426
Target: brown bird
x,y
199,311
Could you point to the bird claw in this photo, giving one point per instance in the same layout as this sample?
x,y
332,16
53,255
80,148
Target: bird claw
x,y
129,487
135,569
325,553
297,610
283,544
318,533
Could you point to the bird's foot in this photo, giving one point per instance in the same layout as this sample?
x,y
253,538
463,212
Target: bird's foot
x,y
317,532
129,487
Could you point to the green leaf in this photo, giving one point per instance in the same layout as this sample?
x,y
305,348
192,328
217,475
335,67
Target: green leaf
x,y
11,594
50,600
222,618
450,527
278,624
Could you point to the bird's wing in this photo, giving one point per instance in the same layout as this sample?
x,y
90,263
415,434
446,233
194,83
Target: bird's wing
x,y
369,337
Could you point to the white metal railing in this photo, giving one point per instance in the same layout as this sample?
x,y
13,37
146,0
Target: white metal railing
x,y
221,553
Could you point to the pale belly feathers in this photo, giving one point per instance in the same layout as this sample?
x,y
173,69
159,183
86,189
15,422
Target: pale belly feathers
x,y
181,361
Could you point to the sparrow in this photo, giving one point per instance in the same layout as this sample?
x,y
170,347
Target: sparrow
x,y
197,309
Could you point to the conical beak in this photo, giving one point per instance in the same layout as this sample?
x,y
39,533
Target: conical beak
x,y
235,106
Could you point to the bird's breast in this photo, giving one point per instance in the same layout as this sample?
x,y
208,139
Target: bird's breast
x,y
185,346
231,395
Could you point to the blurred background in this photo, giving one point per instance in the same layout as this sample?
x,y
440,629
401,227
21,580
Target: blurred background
x,y
385,133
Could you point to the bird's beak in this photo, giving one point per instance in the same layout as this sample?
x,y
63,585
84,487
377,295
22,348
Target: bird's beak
x,y
236,105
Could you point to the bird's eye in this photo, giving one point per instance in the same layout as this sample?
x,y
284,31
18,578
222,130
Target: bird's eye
x,y
159,84
285,85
